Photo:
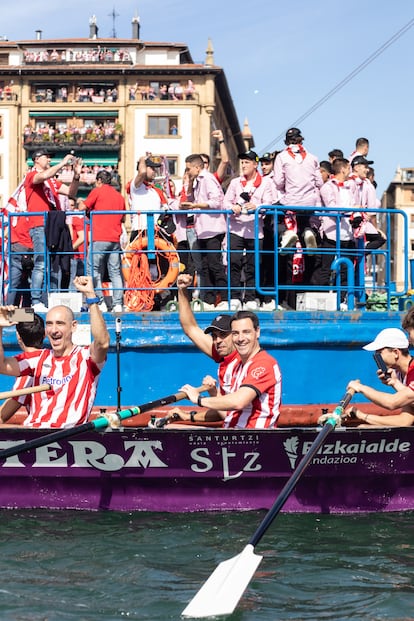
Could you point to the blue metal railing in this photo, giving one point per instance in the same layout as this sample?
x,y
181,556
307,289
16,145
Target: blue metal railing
x,y
368,272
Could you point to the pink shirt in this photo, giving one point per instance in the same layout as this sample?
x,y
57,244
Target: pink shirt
x,y
297,178
208,190
333,194
363,192
243,224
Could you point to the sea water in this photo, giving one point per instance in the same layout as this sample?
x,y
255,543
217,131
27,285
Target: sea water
x,y
66,565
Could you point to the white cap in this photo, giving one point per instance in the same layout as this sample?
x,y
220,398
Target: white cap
x,y
390,337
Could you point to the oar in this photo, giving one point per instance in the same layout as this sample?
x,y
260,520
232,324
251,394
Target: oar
x,y
222,591
99,423
8,394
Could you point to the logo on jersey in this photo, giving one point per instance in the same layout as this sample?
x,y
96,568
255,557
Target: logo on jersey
x,y
56,382
258,372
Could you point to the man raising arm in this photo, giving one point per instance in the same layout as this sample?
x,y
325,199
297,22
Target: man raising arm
x,y
71,371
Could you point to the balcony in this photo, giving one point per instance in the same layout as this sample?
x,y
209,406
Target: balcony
x,y
73,139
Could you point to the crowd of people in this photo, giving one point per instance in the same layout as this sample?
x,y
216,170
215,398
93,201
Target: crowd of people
x,y
216,241
63,133
174,91
90,55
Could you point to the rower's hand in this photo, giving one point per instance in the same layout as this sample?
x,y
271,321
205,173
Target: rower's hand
x,y
191,392
354,385
211,385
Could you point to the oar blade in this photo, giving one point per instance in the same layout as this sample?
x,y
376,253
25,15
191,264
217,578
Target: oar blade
x,y
221,593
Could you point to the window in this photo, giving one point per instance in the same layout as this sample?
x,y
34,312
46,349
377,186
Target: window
x,y
162,125
172,163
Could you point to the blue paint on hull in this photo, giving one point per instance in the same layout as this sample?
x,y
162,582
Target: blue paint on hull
x,y
318,353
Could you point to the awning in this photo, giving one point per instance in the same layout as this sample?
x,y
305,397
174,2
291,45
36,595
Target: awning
x,y
88,159
111,114
94,113
51,114
100,159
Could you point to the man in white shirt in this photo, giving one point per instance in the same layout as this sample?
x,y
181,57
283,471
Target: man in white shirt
x,y
144,196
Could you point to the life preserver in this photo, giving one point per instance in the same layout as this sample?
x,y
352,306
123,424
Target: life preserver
x,y
136,272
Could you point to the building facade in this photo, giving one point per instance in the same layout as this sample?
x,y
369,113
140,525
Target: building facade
x,y
110,101
400,196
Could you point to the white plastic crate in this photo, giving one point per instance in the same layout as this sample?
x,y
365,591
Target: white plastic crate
x,y
317,300
73,299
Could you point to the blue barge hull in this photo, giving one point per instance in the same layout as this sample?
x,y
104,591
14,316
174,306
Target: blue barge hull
x,y
318,353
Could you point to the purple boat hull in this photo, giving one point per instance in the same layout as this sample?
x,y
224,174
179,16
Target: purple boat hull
x,y
140,469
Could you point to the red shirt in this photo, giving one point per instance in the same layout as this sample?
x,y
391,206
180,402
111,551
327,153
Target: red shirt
x,y
261,373
409,378
77,223
225,370
74,380
19,232
105,227
41,197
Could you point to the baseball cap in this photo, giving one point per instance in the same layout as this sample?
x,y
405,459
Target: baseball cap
x,y
249,155
267,157
221,322
390,337
360,159
39,153
293,132
149,162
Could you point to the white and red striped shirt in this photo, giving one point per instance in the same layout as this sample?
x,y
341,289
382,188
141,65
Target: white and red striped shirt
x,y
23,382
261,373
225,370
74,380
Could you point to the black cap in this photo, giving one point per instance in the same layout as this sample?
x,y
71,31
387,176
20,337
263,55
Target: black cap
x,y
221,322
293,132
249,155
267,157
39,153
151,164
360,159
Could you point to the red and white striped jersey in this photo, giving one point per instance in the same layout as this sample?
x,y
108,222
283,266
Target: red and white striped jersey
x,y
73,380
261,373
225,370
23,382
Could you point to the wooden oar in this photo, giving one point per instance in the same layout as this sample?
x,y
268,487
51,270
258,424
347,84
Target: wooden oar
x,y
8,394
222,591
99,423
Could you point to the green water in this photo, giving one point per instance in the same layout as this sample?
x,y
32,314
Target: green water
x,y
58,566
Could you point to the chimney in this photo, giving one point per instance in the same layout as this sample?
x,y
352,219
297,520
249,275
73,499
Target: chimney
x,y
38,35
209,61
93,28
135,27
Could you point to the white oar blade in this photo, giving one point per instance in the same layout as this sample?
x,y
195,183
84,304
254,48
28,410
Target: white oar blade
x,y
221,593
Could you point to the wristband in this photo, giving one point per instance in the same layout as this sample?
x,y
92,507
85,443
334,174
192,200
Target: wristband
x,y
221,141
92,301
76,177
192,415
199,401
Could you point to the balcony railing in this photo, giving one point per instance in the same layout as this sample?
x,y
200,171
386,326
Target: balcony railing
x,y
368,273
